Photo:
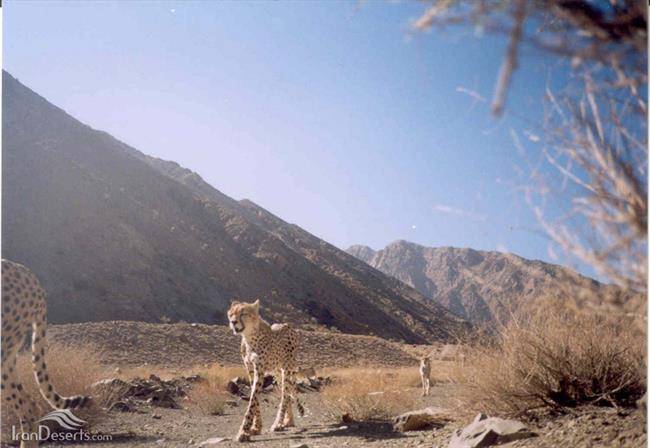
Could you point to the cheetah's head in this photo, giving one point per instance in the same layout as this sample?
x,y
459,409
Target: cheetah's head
x,y
243,315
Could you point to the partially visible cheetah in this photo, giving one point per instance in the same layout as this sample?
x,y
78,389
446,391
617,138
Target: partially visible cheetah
x,y
265,348
23,309
425,374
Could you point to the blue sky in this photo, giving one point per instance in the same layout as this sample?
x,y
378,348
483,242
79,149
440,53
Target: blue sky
x,y
332,115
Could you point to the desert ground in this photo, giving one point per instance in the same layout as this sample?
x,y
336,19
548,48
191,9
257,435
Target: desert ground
x,y
360,384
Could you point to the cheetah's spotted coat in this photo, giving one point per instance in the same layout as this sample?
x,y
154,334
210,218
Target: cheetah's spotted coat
x,y
23,309
265,348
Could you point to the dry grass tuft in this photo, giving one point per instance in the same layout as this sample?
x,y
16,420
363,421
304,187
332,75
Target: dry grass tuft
x,y
210,395
217,374
71,369
364,394
554,357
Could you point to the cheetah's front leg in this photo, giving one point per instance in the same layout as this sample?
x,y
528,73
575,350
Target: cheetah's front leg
x,y
278,424
253,407
256,428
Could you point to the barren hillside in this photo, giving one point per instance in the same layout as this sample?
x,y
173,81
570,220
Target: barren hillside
x,y
479,285
116,235
182,345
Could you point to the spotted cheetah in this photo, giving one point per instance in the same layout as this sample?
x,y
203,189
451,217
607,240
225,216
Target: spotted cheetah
x,y
425,374
265,348
23,308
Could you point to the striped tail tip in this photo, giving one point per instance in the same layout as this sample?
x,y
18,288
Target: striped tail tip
x,y
77,402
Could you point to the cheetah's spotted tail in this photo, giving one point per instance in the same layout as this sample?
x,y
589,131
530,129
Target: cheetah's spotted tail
x,y
293,392
301,409
42,377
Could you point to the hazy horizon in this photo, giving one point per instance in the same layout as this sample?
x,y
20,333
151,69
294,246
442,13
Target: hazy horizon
x,y
338,120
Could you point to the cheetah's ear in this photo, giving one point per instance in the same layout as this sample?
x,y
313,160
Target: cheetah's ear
x,y
256,305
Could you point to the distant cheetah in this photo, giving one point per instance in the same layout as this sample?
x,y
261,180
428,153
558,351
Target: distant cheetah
x,y
265,348
23,309
425,374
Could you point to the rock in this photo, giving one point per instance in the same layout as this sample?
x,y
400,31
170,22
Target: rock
x,y
488,431
268,382
431,417
212,441
312,384
347,418
232,387
120,406
241,387
153,391
156,416
642,403
299,445
193,378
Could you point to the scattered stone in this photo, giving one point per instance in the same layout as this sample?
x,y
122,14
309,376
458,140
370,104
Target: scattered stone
x,y
122,395
240,386
312,384
212,441
347,418
299,445
488,431
120,406
232,387
156,416
431,417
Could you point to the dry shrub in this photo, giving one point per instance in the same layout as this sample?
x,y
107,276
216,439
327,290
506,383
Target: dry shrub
x,y
554,357
371,393
210,395
218,374
71,369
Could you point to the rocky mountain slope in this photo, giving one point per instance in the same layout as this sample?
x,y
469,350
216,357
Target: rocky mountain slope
x,y
114,234
124,343
479,285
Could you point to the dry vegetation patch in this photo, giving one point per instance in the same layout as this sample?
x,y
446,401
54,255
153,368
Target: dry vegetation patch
x,y
554,357
210,394
71,369
363,394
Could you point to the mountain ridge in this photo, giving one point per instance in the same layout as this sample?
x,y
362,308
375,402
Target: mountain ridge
x,y
115,234
482,286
